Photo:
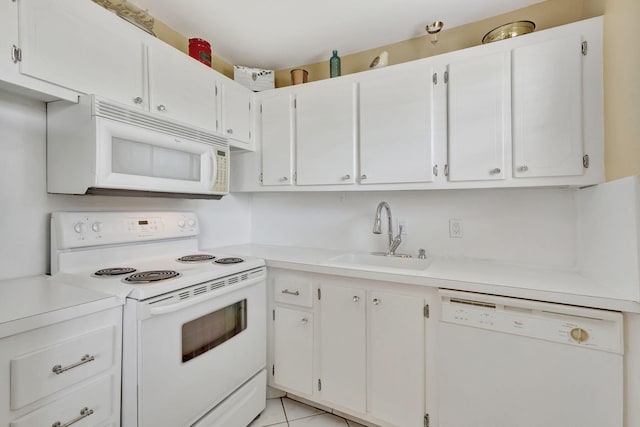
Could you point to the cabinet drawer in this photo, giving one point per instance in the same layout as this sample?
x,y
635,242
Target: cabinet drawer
x,y
96,397
293,289
38,374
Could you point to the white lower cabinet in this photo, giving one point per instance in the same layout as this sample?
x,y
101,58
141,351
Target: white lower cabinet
x,y
343,346
357,346
396,358
293,336
62,374
372,353
292,332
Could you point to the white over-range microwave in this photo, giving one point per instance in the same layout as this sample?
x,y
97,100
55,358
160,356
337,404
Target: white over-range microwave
x,y
98,146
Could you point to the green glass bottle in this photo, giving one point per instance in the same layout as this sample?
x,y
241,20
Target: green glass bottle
x,y
334,65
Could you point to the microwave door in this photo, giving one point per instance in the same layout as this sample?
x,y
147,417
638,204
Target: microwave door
x,y
141,159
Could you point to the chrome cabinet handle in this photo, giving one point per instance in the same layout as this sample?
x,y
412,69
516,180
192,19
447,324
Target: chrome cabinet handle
x,y
304,321
346,177
137,100
523,168
230,131
363,176
356,298
84,413
435,170
16,54
376,301
162,108
58,369
284,179
287,291
495,171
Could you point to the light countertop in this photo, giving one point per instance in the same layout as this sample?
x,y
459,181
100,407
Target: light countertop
x,y
32,302
520,281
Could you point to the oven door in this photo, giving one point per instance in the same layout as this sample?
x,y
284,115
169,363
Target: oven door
x,y
192,355
135,158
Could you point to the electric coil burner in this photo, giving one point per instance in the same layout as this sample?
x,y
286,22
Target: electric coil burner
x,y
151,276
114,271
228,260
196,258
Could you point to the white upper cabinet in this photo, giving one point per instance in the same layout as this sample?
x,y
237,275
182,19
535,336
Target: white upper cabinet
x,y
276,114
80,46
236,113
326,133
396,125
181,87
547,108
478,108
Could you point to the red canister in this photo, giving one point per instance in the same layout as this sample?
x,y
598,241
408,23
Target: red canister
x,y
200,50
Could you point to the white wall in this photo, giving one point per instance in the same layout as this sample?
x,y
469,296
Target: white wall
x,y
25,205
609,236
529,226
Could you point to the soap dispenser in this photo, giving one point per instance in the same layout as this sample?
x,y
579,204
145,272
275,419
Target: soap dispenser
x,y
334,65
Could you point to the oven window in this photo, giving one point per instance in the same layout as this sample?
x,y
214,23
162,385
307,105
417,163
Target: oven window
x,y
207,332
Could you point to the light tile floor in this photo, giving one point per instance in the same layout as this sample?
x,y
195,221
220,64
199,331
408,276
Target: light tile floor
x,y
285,412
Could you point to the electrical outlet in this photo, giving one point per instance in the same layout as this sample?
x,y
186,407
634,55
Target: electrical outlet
x,y
455,228
405,226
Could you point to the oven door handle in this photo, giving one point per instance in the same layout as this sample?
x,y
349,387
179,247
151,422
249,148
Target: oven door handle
x,y
164,309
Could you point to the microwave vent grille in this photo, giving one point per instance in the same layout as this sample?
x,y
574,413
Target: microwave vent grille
x,y
113,111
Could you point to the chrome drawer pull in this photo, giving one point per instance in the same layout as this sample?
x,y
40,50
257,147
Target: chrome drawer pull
x,y
287,291
84,413
58,369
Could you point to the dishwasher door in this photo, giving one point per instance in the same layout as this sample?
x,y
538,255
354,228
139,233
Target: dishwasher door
x,y
505,362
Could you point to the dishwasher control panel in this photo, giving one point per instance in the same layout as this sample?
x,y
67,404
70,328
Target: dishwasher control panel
x,y
585,327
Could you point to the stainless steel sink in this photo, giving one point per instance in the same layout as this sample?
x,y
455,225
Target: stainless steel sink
x,y
363,259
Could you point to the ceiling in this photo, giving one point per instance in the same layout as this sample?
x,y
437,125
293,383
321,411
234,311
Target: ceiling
x,y
279,34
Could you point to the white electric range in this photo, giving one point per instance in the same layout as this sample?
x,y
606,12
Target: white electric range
x,y
194,334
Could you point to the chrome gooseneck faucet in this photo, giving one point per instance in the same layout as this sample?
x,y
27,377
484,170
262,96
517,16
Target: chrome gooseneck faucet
x,y
394,242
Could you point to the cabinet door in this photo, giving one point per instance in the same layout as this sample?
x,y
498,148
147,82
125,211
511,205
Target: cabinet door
x,y
343,346
396,126
181,88
236,113
396,358
326,141
479,111
81,46
547,109
276,117
293,350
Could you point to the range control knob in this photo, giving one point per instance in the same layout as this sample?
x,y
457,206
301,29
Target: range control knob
x,y
579,335
181,223
192,223
97,227
79,227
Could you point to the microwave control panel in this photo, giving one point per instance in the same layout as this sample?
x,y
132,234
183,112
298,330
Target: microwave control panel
x,y
221,183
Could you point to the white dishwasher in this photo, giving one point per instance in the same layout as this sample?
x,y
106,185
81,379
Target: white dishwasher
x,y
506,362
